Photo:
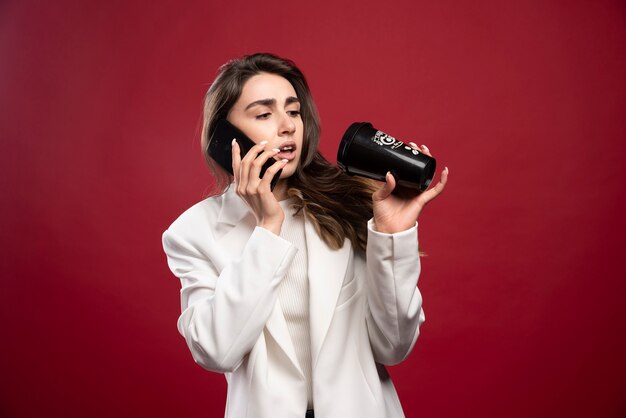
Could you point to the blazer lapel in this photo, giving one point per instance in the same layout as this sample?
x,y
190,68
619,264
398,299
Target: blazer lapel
x,y
235,223
327,268
277,327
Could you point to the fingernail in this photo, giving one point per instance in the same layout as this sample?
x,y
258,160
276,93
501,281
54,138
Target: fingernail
x,y
284,160
413,144
275,150
262,142
425,147
234,141
446,170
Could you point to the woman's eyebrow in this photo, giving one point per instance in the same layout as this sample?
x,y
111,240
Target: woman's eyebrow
x,y
262,102
271,102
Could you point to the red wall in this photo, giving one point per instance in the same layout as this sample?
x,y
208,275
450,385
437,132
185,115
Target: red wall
x,y
524,286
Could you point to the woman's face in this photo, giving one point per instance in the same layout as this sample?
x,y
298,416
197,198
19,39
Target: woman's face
x,y
269,110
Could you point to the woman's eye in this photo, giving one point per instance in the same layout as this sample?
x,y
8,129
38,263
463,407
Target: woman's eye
x,y
263,116
293,113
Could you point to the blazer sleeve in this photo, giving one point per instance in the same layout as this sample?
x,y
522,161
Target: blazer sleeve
x,y
394,304
224,312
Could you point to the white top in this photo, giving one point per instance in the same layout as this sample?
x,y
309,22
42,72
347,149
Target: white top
x,y
293,293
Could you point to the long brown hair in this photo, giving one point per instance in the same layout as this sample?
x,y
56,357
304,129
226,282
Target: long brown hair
x,y
338,205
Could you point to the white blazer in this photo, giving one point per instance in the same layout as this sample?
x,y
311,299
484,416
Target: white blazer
x,y
364,312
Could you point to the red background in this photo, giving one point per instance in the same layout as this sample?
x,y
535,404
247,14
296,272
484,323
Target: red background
x,y
524,285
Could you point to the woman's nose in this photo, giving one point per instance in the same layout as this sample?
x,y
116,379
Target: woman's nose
x,y
287,125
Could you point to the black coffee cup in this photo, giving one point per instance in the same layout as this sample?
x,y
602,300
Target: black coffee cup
x,y
366,151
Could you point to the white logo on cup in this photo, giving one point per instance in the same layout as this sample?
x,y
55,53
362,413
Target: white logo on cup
x,y
385,140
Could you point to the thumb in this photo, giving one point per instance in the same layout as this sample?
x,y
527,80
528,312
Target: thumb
x,y
386,189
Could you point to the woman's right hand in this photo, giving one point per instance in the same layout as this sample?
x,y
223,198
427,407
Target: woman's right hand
x,y
256,191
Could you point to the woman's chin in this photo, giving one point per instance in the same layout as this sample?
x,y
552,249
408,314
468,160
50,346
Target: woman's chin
x,y
288,170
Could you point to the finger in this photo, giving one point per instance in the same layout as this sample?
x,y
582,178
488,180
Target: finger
x,y
266,182
254,151
426,151
236,160
247,160
435,191
386,189
257,164
414,146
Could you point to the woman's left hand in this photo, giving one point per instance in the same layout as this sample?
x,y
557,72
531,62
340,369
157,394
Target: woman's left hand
x,y
398,212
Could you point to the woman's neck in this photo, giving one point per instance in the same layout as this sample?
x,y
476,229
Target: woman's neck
x,y
280,190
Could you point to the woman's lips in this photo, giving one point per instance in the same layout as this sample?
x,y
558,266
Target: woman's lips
x,y
287,151
286,155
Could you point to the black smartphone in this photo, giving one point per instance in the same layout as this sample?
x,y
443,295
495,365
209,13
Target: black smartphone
x,y
220,148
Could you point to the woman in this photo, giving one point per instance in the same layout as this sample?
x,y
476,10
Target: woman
x,y
299,295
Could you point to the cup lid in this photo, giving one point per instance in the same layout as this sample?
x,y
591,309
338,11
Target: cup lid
x,y
347,138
